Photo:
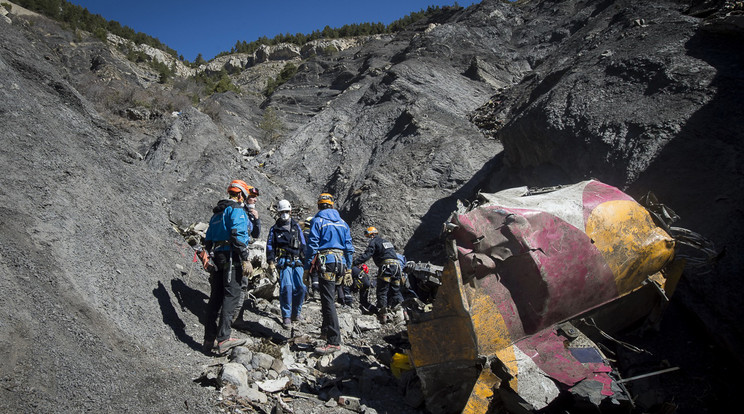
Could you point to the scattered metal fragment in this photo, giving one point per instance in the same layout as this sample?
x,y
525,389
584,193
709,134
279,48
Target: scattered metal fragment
x,y
519,306
650,374
350,403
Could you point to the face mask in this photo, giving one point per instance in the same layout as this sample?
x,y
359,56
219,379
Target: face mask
x,y
284,216
251,206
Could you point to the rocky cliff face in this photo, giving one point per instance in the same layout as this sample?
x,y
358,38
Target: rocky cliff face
x,y
642,96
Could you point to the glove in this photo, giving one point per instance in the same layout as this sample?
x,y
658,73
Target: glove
x,y
348,281
306,277
204,258
247,268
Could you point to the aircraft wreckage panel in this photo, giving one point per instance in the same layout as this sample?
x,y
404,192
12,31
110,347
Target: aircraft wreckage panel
x,y
524,265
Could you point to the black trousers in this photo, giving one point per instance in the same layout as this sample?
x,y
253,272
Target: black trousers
x,y
388,282
327,289
364,303
344,295
224,296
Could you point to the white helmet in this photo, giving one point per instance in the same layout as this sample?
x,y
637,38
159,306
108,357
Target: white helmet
x,y
283,205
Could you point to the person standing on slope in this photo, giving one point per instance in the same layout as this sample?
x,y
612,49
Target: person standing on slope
x,y
227,241
329,253
388,270
250,208
285,249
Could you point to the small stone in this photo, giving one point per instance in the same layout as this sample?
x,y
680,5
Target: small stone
x,y
252,394
278,365
235,374
261,360
367,323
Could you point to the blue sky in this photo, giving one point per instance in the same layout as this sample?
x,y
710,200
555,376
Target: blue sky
x,y
191,27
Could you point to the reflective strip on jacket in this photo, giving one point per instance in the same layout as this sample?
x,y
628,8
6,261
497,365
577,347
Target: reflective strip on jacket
x,y
329,231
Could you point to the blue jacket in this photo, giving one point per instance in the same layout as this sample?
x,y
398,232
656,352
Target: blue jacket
x,y
329,231
402,260
229,223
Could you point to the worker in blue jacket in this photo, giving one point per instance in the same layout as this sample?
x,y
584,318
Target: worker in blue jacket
x,y
227,241
329,254
285,249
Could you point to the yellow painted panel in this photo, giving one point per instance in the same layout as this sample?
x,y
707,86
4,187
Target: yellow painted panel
x,y
633,246
491,332
509,359
441,340
482,392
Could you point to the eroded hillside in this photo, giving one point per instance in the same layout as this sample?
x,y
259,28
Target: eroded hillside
x,y
100,159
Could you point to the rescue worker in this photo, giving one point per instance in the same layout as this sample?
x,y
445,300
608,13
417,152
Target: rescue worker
x,y
310,279
226,242
361,284
285,251
250,208
329,253
388,271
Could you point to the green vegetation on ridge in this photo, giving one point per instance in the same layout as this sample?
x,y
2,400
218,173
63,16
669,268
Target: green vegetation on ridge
x,y
347,30
77,17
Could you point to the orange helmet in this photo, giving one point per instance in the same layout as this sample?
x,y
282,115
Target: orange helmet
x,y
253,191
371,231
325,198
239,186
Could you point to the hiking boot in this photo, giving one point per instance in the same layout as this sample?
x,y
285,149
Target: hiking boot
x,y
229,344
209,346
297,318
327,349
287,324
383,318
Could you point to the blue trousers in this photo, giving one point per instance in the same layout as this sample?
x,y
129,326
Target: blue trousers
x,y
291,289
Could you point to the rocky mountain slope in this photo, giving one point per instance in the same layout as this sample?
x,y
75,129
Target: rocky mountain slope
x,y
100,159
